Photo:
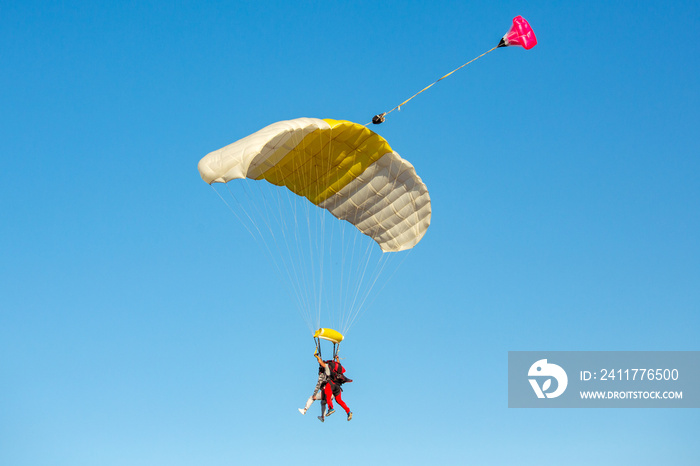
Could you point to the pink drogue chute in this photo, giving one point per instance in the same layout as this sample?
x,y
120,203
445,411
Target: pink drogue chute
x,y
520,33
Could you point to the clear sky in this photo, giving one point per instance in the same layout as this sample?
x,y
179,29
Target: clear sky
x,y
139,325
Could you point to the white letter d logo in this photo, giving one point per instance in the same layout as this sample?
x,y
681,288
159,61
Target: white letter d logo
x,y
542,369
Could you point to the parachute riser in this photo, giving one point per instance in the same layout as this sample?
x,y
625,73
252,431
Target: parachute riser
x,y
336,348
318,347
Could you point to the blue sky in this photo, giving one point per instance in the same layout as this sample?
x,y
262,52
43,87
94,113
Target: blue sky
x,y
139,324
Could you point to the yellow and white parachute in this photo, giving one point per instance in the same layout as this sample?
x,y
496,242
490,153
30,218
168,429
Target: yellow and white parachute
x,y
332,166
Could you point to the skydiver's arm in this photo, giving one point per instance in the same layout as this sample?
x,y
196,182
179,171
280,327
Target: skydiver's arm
x,y
320,361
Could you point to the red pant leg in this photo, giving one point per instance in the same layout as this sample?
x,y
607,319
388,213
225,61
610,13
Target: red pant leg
x,y
329,395
341,402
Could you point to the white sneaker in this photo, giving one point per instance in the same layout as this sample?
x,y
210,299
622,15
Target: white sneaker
x,y
302,411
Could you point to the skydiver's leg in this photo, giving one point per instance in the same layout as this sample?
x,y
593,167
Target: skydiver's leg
x,y
329,395
322,417
342,403
309,402
316,396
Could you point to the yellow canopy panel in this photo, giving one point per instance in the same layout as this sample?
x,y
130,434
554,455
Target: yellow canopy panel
x,y
329,334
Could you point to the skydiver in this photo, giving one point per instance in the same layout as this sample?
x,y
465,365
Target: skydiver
x,y
326,389
324,373
332,389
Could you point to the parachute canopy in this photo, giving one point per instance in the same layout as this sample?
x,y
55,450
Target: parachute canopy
x,y
339,166
520,33
329,334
